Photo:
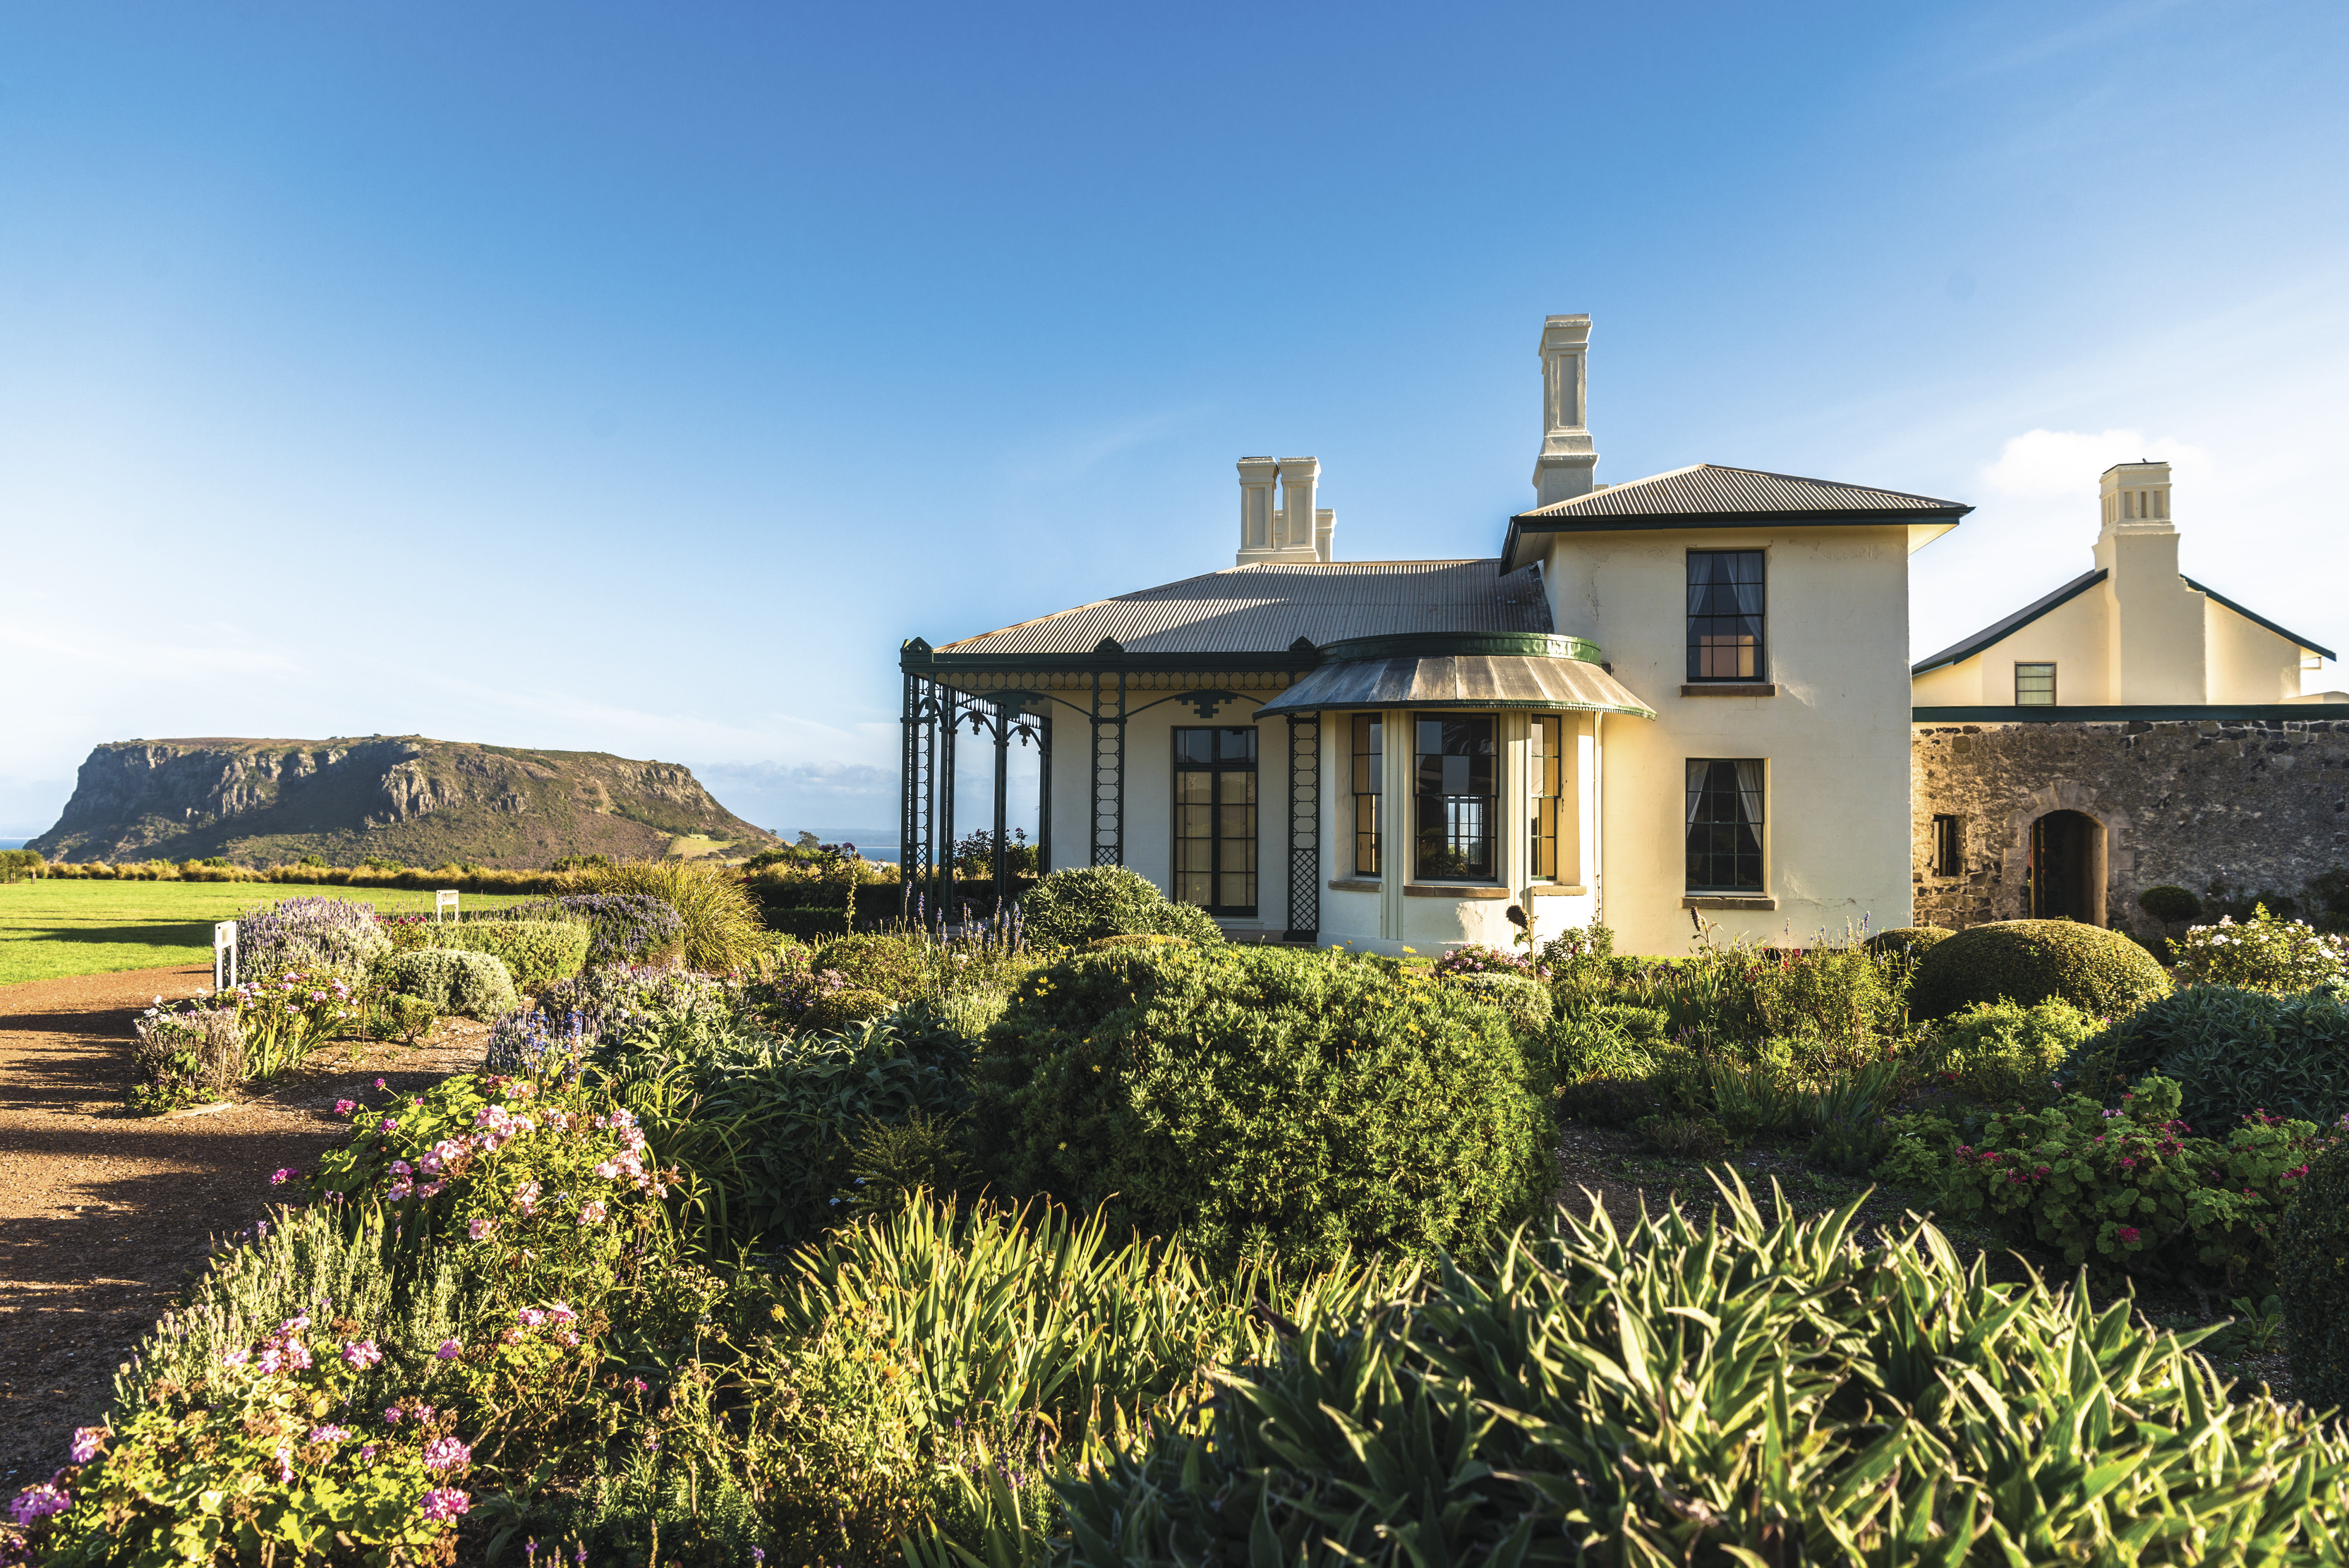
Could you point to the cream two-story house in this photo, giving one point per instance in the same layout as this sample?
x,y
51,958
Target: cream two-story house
x,y
1679,699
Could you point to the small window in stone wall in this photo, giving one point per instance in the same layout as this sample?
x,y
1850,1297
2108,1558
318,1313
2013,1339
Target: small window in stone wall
x,y
1948,857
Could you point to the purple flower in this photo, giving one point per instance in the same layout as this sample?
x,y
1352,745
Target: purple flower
x,y
345,1108
362,1353
449,1350
327,1434
35,1503
445,1502
85,1440
447,1454
283,1174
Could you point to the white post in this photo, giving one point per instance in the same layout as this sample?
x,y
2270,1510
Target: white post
x,y
446,899
223,955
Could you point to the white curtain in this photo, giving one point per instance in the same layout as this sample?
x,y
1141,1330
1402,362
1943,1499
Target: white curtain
x,y
1696,771
1749,794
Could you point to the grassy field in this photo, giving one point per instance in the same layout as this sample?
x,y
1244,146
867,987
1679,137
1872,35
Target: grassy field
x,y
53,929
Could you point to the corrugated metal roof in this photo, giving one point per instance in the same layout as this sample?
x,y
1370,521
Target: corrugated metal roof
x,y
1266,607
1708,489
1460,680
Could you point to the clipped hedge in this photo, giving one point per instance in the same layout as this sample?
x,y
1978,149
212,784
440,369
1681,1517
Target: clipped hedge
x,y
2232,1049
2312,1264
452,980
1072,907
536,953
2099,972
1256,1101
1908,942
2004,1051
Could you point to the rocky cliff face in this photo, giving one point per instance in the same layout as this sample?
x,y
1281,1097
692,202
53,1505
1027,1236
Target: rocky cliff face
x,y
403,797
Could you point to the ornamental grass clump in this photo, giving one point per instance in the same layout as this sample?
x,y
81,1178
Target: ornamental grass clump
x,y
719,930
1718,1390
1249,1101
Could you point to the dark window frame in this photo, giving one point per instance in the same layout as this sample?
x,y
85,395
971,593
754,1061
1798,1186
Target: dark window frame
x,y
1727,825
2035,665
1734,606
1368,733
1949,846
1467,815
1218,767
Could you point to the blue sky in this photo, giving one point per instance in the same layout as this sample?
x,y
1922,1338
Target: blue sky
x,y
635,378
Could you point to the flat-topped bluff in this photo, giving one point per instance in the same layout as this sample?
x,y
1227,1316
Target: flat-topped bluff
x,y
403,797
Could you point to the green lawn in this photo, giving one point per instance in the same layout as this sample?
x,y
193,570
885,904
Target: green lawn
x,y
51,928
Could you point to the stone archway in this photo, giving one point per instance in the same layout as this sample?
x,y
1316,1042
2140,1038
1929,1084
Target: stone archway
x,y
2065,868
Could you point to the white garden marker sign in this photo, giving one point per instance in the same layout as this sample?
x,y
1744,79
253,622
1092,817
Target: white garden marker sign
x,y
223,954
446,899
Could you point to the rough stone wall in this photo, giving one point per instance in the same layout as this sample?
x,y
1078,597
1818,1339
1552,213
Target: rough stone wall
x,y
2252,804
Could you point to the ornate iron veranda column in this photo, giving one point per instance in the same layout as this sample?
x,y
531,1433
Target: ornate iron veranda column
x,y
949,721
913,799
1304,827
1044,792
1001,868
1107,812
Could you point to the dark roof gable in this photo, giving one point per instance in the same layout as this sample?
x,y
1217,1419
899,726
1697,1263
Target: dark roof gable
x,y
1711,495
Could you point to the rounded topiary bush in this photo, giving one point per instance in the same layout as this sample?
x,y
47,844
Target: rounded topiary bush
x,y
452,981
2312,1263
886,964
1085,903
2099,972
2170,905
1258,1102
1908,942
2232,1049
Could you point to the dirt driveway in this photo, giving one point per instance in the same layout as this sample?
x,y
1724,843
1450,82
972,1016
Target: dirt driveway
x,y
105,1215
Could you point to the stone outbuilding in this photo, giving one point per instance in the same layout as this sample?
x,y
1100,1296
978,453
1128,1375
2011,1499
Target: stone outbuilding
x,y
2133,728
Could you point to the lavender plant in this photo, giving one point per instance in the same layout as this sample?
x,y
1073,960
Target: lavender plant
x,y
326,938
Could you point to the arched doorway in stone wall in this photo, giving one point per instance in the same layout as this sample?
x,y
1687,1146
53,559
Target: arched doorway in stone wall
x,y
2066,870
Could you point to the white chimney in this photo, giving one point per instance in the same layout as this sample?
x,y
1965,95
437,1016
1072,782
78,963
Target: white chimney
x,y
2154,629
1563,469
1295,531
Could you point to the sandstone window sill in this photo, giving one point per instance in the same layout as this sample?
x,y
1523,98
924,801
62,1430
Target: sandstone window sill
x,y
1731,688
1452,891
1557,890
1720,901
1354,885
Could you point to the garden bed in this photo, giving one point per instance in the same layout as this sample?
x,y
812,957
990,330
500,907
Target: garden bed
x,y
105,1215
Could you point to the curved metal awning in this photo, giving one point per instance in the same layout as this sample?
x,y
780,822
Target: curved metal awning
x,y
1447,669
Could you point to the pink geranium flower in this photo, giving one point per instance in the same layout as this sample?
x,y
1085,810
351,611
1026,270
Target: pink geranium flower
x,y
447,1454
445,1502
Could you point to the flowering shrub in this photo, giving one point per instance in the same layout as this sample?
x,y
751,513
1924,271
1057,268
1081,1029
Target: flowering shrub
x,y
256,1030
327,939
1475,960
612,1001
185,1055
519,1042
2132,1186
2262,952
278,1460
2001,1052
625,928
542,1181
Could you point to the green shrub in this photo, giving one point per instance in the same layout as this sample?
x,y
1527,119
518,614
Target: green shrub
x,y
2099,972
1908,942
1837,994
452,981
1252,1100
1103,944
183,1057
1523,1000
2232,1051
889,965
2170,905
536,953
2000,1051
2262,952
835,1011
722,932
1072,907
1682,1136
1690,1392
1592,1070
2311,1268
17,865
1651,1025
2131,1187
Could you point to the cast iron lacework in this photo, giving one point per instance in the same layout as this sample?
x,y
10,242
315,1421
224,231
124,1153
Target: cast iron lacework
x,y
1304,826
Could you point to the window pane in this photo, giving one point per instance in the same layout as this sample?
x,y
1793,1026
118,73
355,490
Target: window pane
x,y
2034,685
1453,774
1215,817
1725,614
1725,808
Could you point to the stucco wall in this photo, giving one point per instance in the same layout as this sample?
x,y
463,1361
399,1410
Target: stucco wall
x,y
2249,663
1835,737
2255,804
2073,637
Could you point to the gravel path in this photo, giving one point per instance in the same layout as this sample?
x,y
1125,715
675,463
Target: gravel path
x,y
104,1216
